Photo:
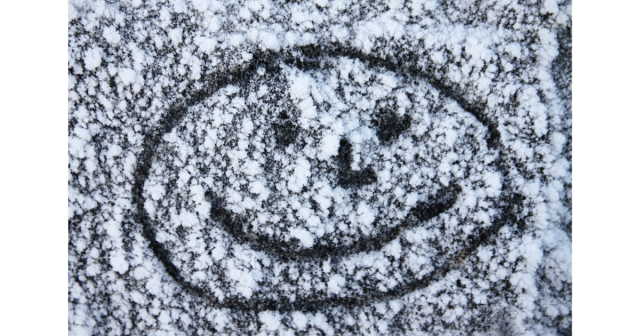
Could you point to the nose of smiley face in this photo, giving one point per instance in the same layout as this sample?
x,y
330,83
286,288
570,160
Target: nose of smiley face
x,y
347,177
388,127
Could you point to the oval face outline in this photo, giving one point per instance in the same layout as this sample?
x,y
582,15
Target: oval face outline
x,y
335,284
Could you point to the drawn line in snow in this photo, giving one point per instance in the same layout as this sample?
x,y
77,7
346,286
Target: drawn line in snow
x,y
307,58
285,251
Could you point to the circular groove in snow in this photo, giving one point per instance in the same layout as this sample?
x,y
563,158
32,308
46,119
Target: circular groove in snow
x,y
245,198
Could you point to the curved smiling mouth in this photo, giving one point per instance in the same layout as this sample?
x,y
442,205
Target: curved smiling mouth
x,y
422,212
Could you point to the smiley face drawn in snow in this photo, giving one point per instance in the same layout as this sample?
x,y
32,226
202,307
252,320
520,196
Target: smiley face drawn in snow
x,y
306,185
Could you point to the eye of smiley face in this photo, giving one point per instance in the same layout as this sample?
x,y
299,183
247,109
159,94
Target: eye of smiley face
x,y
306,185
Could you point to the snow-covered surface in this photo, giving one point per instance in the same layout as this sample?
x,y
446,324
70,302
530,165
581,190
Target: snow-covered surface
x,y
320,167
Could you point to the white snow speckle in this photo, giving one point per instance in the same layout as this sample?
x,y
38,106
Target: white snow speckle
x,y
329,146
299,320
127,76
270,320
305,237
111,35
300,175
335,284
92,58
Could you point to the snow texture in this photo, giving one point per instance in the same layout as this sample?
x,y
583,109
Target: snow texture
x,y
320,167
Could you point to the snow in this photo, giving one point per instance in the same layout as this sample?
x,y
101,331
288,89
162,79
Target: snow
x,y
93,58
111,35
300,175
329,146
335,284
305,237
299,320
245,282
271,320
127,76
265,227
